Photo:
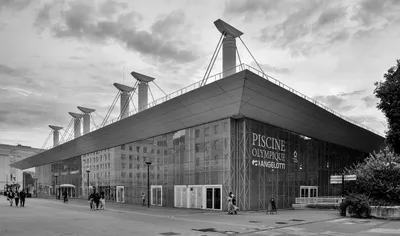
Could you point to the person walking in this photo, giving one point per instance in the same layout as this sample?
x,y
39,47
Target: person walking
x,y
143,199
235,208
10,197
102,201
65,196
16,197
22,197
230,205
97,200
91,200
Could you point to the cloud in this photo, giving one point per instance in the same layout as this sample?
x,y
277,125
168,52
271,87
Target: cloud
x,y
15,4
11,71
335,102
370,13
355,92
370,101
83,21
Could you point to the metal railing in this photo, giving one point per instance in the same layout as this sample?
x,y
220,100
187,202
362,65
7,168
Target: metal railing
x,y
239,68
308,200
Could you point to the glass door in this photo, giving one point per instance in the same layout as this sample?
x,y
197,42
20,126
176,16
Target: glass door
x,y
213,197
120,194
156,195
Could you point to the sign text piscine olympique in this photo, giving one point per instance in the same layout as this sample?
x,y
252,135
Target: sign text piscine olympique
x,y
269,151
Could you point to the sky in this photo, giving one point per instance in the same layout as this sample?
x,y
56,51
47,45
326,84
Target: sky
x,y
57,55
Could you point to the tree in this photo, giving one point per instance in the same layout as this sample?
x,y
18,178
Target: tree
x,y
378,177
388,91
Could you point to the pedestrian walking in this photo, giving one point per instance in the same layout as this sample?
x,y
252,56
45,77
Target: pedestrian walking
x,y
91,201
230,204
102,201
143,199
235,208
16,198
10,197
97,200
22,197
65,196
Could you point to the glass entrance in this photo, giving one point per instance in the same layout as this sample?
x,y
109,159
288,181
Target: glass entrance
x,y
308,194
156,195
213,197
120,194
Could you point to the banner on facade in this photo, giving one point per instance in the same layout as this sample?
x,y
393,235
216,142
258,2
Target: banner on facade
x,y
268,152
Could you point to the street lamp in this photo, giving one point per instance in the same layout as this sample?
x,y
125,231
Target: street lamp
x,y
36,186
88,171
55,187
148,183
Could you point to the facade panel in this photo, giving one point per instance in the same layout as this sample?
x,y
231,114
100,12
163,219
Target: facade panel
x,y
278,162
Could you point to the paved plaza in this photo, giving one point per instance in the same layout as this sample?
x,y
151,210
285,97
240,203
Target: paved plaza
x,y
50,217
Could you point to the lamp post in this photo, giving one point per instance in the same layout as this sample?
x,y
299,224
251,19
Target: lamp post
x,y
55,187
88,171
148,183
36,186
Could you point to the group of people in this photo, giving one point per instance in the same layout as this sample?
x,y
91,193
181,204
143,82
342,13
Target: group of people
x,y
18,197
97,201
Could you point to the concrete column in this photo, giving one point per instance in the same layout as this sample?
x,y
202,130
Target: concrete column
x,y
143,95
229,55
56,138
77,127
86,123
56,134
124,104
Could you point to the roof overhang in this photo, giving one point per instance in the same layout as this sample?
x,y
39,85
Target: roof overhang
x,y
243,94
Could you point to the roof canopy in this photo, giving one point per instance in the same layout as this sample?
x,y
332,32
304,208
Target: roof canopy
x,y
243,94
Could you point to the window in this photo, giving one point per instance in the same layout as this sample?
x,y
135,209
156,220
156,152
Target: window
x,y
197,161
130,157
123,156
138,158
197,147
138,166
137,176
165,152
97,167
137,149
123,147
123,165
108,156
97,159
152,150
130,148
145,150
130,166
197,133
101,157
109,165
130,175
122,174
216,129
158,151
207,131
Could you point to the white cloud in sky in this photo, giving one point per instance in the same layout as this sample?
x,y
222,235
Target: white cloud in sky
x,y
67,53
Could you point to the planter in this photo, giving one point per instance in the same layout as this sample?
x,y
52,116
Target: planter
x,y
386,212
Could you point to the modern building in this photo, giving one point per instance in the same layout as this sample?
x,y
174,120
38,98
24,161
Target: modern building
x,y
10,154
243,132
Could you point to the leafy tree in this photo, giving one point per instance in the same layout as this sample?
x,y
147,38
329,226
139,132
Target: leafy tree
x,y
388,91
378,177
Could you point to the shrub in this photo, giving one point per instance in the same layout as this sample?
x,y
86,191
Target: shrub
x,y
357,204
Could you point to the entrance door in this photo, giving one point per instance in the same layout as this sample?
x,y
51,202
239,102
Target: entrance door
x,y
156,195
308,194
213,197
120,194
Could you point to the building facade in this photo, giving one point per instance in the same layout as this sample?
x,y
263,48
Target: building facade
x,y
197,167
8,155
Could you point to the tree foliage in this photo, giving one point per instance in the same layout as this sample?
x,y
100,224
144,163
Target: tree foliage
x,y
378,177
388,91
